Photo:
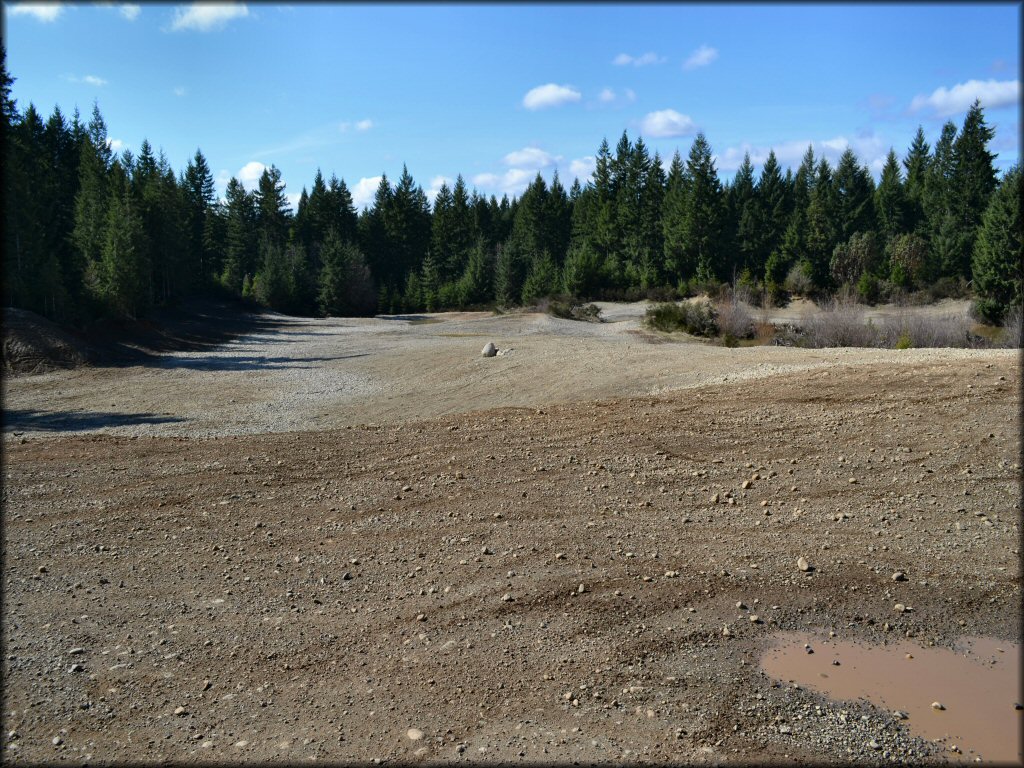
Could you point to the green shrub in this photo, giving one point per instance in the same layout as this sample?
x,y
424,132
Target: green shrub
x,y
695,318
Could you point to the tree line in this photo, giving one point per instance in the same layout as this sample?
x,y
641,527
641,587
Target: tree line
x,y
91,233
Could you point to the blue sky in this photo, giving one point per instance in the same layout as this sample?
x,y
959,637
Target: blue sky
x,y
500,92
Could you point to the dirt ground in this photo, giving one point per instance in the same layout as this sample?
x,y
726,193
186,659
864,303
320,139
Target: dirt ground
x,y
356,540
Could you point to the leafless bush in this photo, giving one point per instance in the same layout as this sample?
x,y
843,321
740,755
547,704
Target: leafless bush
x,y
837,324
734,319
798,281
913,329
1011,336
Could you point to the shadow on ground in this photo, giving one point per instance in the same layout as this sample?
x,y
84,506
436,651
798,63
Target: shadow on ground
x,y
75,421
224,362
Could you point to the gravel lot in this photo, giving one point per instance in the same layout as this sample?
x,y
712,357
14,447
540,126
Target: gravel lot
x,y
358,540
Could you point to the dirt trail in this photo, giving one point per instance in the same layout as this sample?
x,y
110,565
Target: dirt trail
x,y
469,583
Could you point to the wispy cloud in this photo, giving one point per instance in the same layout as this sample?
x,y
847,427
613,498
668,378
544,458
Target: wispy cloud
x,y
701,57
608,96
360,125
364,190
666,123
531,158
944,102
205,17
180,91
624,59
45,12
550,95
130,11
88,79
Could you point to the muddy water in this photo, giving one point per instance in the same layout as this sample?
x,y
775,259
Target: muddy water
x,y
978,686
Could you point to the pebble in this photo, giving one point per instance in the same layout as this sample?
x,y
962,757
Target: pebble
x,y
57,741
506,598
802,564
421,617
581,589
746,484
755,619
76,651
714,499
785,729
899,576
937,705
874,745
414,733
486,551
180,711
900,715
900,607
726,632
75,668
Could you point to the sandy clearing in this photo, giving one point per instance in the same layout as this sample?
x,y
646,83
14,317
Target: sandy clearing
x,y
326,373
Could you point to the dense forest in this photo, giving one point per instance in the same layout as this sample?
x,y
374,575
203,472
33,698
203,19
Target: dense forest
x,y
88,233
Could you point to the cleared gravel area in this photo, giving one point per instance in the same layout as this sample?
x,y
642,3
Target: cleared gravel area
x,y
357,540
303,374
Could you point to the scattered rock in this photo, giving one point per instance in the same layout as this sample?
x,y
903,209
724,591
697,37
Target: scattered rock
x,y
802,564
899,576
937,705
489,350
414,733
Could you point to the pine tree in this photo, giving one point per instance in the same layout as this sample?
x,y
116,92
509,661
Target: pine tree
x,y
854,192
938,207
916,165
744,219
542,279
704,217
272,210
822,231
890,200
673,222
998,255
123,270
973,181
475,285
240,243
771,212
198,187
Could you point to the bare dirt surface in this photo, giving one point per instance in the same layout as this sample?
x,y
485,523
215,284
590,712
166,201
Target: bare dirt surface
x,y
358,540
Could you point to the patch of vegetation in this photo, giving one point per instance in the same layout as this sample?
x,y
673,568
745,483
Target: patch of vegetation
x,y
695,318
570,310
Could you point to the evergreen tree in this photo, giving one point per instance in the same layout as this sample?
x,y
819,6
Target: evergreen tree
x,y
475,286
240,237
272,210
998,256
973,181
744,218
938,206
890,200
854,194
673,222
822,231
704,212
916,165
199,194
771,212
123,270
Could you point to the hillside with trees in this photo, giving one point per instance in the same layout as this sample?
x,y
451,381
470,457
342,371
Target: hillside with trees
x,y
89,233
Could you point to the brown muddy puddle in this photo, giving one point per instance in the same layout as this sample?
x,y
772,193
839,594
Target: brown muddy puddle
x,y
978,686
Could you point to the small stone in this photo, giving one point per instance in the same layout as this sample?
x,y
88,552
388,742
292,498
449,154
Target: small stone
x,y
1018,706
937,705
75,668
785,729
76,651
207,685
180,711
802,564
746,484
726,632
346,576
421,617
740,605
874,745
486,551
900,715
581,589
899,576
900,608
560,556
57,741
489,350
755,619
414,733
853,480
714,499
506,598
241,743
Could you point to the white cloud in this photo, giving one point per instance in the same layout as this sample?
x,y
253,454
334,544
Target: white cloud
x,y
870,149
204,17
45,12
945,102
582,168
130,11
364,125
530,157
510,183
93,80
361,125
638,61
550,95
250,174
179,90
364,191
116,145
606,96
701,57
666,123
293,200
630,95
